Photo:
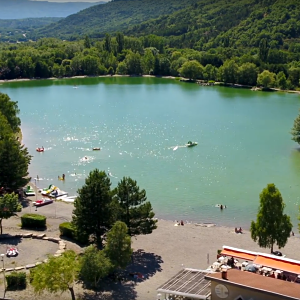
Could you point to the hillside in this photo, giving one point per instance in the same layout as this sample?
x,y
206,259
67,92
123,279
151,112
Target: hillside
x,y
17,30
113,16
227,23
21,9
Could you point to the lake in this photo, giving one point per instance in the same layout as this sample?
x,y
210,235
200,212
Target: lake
x,y
243,137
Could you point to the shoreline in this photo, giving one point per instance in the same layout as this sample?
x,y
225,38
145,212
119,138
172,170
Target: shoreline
x,y
235,85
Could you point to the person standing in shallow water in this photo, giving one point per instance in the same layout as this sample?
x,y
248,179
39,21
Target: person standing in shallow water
x,y
63,176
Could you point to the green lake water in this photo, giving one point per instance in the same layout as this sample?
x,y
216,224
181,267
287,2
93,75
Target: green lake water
x,y
243,142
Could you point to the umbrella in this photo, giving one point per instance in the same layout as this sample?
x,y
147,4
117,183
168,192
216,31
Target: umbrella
x,y
251,268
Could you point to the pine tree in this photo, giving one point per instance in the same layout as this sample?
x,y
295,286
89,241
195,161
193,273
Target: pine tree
x,y
272,225
93,213
136,212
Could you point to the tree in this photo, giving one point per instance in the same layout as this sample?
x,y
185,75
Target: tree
x,y
14,161
118,245
191,70
56,275
263,49
93,213
10,110
133,63
107,43
272,225
135,211
120,42
9,205
281,80
87,42
229,71
296,130
147,61
94,265
266,79
5,129
247,74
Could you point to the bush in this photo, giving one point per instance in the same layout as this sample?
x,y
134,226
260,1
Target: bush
x,y
16,281
33,221
66,229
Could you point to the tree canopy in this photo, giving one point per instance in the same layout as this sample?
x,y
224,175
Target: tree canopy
x,y
14,161
93,210
272,226
118,245
94,265
10,110
9,206
296,130
56,275
136,212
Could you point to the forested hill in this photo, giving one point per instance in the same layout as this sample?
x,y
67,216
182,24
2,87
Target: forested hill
x,y
113,16
21,9
17,30
227,23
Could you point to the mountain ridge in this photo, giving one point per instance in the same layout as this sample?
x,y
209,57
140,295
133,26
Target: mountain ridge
x,y
22,9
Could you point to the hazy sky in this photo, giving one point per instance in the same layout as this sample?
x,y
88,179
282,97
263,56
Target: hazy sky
x,y
72,0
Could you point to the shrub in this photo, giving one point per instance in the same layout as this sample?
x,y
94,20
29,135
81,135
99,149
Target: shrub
x,y
16,281
33,221
66,229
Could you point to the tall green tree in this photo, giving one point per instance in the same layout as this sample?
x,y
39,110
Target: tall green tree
x,y
87,42
247,74
14,161
107,43
281,80
93,213
272,226
135,211
191,70
266,79
118,245
9,206
229,72
296,130
5,129
94,265
56,275
263,49
10,110
120,42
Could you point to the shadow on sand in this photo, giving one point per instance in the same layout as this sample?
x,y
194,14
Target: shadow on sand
x,y
122,287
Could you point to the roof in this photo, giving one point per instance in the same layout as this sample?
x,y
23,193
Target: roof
x,y
278,263
259,282
239,253
189,283
264,259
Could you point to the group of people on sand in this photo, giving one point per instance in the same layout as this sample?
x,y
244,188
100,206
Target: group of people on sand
x,y
240,230
181,223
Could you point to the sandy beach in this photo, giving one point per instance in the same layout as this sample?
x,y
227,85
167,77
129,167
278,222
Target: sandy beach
x,y
158,256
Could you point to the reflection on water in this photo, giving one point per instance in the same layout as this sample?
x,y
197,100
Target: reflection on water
x,y
243,142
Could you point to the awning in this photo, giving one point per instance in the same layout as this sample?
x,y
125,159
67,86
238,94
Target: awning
x,y
238,254
280,264
190,283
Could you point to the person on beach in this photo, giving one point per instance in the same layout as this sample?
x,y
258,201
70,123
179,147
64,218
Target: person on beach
x,y
37,177
181,223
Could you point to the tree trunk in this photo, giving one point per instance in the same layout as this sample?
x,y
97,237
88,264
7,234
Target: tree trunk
x,y
72,293
1,225
272,247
